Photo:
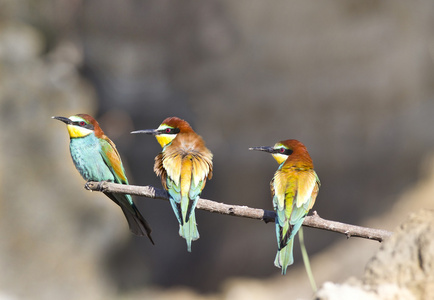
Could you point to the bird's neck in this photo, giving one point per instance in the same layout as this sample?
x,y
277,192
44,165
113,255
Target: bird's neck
x,y
298,160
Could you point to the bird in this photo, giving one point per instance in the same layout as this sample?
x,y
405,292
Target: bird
x,y
96,158
294,188
184,165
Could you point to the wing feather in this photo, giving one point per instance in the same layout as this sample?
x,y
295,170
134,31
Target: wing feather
x,y
306,186
279,187
172,163
159,170
294,192
113,160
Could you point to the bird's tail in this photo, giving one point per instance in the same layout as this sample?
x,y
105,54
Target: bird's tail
x,y
137,223
284,257
188,230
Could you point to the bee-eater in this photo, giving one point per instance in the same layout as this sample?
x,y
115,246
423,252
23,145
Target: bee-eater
x,y
294,188
96,159
184,165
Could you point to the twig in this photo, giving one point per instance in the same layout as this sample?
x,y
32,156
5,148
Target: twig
x,y
314,221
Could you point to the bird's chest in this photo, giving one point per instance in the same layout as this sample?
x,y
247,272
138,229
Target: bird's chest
x,y
85,153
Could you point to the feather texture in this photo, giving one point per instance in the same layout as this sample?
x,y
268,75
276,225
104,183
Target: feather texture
x,y
295,186
294,189
184,165
96,158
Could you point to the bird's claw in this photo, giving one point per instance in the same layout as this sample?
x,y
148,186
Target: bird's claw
x,y
95,186
268,217
87,186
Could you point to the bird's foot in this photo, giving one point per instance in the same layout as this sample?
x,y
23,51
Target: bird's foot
x,y
95,186
268,216
88,186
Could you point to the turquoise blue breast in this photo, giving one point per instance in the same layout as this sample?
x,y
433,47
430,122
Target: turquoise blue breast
x,y
85,153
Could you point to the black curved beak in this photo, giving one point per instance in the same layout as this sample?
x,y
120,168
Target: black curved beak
x,y
263,148
63,119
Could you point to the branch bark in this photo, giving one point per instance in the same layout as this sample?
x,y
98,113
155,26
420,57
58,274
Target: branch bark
x,y
314,221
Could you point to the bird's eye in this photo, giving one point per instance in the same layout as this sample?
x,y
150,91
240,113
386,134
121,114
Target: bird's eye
x,y
82,123
168,130
282,150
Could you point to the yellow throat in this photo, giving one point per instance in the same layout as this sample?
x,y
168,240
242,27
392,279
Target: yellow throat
x,y
77,132
164,139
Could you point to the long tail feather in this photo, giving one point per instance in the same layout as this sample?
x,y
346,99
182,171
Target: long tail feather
x,y
306,260
284,257
189,231
137,223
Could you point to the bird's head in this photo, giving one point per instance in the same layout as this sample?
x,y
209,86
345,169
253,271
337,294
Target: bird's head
x,y
168,130
81,125
281,151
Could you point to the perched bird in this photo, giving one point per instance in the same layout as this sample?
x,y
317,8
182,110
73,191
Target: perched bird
x,y
96,159
294,188
184,165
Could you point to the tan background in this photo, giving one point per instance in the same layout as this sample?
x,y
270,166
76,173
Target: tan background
x,y
353,80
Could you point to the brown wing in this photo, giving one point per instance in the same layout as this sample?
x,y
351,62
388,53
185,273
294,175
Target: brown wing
x,y
113,160
159,170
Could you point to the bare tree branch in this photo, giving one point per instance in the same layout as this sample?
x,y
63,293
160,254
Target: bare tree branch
x,y
314,221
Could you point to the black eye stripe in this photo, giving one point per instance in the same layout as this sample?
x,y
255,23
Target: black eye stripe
x,y
285,152
169,130
85,125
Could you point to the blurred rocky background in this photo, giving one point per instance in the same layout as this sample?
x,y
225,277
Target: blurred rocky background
x,y
353,80
402,269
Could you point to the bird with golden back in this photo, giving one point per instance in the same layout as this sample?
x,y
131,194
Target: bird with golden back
x,y
184,165
294,189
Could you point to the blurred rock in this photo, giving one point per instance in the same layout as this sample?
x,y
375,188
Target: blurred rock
x,y
403,269
407,258
357,291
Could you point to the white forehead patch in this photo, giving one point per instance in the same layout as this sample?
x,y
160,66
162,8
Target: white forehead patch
x,y
163,126
76,119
